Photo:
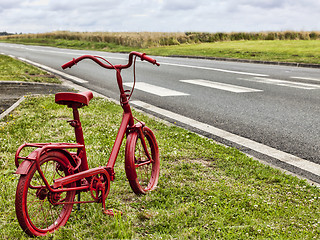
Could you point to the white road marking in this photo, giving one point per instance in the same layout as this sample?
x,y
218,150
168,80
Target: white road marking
x,y
258,147
72,53
307,78
163,63
61,52
160,91
76,79
285,83
221,86
215,69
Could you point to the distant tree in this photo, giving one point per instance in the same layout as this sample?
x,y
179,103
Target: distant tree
x,y
5,33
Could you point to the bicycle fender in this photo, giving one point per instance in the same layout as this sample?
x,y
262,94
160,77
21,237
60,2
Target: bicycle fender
x,y
66,153
69,156
24,167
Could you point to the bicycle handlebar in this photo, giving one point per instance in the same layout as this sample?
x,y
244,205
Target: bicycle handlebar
x,y
149,59
143,56
69,64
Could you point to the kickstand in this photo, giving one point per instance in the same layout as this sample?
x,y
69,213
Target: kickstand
x,y
112,212
79,201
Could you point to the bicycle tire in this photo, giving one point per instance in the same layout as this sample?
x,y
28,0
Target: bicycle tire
x,y
142,178
34,206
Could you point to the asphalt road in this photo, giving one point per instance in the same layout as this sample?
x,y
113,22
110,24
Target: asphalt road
x,y
277,106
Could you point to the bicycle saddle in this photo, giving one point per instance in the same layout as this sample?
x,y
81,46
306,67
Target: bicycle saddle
x,y
71,99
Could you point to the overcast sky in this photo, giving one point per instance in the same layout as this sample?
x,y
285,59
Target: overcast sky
x,y
34,16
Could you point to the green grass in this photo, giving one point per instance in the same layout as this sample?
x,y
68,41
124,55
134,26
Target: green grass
x,y
205,190
301,51
14,70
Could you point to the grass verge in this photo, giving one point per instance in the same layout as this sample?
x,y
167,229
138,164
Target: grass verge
x,y
283,51
14,70
205,190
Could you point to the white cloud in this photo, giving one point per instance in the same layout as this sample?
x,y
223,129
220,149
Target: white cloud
x,y
180,5
159,15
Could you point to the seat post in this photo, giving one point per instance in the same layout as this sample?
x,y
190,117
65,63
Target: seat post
x,y
77,126
75,101
79,137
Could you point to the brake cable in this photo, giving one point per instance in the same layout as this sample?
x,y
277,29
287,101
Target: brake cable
x,y
134,72
134,77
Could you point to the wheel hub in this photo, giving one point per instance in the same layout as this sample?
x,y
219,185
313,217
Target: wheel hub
x,y
54,197
42,193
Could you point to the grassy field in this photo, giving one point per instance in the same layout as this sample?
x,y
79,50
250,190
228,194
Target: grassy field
x,y
282,51
14,70
301,47
156,39
205,190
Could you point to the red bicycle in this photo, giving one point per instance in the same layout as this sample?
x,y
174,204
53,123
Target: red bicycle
x,y
54,173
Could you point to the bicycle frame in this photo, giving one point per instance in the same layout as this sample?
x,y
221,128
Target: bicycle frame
x,y
52,175
82,168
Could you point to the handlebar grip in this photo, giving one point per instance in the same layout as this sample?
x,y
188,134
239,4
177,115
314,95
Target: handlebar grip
x,y
69,64
149,59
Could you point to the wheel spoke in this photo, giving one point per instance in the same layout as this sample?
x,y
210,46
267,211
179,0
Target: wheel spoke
x,y
142,163
36,209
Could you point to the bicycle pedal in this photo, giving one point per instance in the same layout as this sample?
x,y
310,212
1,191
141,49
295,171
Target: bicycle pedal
x,y
112,212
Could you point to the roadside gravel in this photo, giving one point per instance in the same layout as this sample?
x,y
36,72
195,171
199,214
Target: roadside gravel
x,y
11,91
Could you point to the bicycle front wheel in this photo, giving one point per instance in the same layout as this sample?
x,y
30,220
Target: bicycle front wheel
x,y
142,162
38,210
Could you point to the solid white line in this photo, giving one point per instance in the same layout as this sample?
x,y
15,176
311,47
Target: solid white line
x,y
215,69
288,83
61,52
258,147
307,78
76,79
160,91
284,83
221,86
69,53
171,64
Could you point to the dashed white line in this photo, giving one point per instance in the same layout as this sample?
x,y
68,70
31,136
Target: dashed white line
x,y
221,86
160,91
215,69
307,78
258,147
284,83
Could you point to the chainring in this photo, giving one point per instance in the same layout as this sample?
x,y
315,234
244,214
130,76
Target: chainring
x,y
99,187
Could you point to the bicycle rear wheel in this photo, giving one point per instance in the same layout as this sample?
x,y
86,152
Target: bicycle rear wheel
x,y
38,210
142,172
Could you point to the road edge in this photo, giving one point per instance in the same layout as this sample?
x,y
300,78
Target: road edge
x,y
292,64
